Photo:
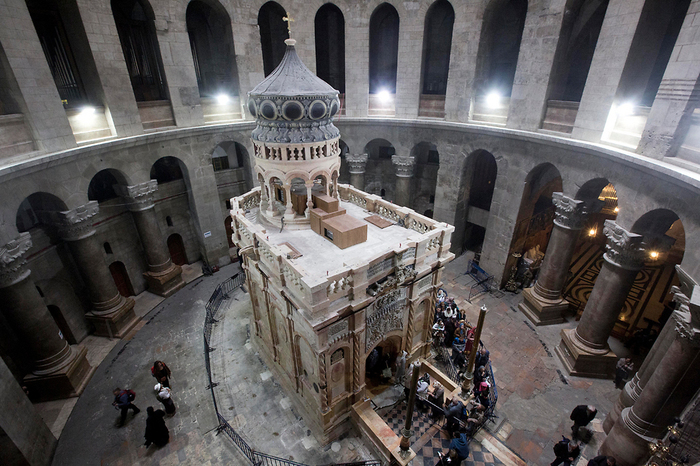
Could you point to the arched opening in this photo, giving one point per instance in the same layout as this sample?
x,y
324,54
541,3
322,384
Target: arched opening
x,y
169,221
211,42
166,169
121,278
424,182
137,34
101,187
329,27
177,249
30,210
437,44
298,193
230,155
655,37
572,61
497,59
381,357
107,248
481,171
380,173
601,201
273,33
229,231
383,59
535,220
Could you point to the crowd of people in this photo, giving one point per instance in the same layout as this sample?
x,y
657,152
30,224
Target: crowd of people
x,y
568,449
156,430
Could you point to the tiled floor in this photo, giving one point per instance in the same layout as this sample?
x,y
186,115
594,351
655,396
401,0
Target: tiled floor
x,y
428,438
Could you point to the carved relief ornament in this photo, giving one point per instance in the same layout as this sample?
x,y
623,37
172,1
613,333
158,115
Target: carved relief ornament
x,y
356,163
570,213
75,224
13,266
404,165
140,196
624,249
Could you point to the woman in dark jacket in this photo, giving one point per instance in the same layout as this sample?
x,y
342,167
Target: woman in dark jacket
x,y
156,430
161,372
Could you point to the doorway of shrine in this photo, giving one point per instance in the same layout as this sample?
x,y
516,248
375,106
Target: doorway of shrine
x,y
380,365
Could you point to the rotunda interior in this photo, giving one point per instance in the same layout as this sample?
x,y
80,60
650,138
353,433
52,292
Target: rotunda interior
x,y
552,148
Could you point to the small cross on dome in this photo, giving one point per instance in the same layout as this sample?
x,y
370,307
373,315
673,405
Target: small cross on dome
x,y
289,21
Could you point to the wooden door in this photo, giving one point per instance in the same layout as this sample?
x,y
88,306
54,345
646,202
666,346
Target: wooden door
x,y
177,249
121,278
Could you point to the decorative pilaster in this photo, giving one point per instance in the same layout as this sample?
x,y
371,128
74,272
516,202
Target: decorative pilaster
x,y
356,359
58,369
666,395
111,314
543,303
163,277
584,350
357,164
404,172
309,198
323,383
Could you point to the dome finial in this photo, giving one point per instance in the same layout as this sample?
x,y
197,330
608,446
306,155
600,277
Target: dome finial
x,y
289,21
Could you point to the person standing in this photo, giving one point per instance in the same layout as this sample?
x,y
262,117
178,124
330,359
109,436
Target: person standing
x,y
161,372
156,430
623,370
566,452
164,395
581,415
123,401
482,357
460,444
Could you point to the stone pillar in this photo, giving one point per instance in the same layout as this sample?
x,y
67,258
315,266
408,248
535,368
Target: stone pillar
x,y
58,369
543,303
112,314
404,174
309,198
164,278
584,351
357,164
264,199
289,210
605,73
630,393
671,387
672,110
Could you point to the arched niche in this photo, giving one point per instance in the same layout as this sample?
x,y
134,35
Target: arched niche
x,y
101,188
30,210
424,180
329,29
273,33
383,49
379,171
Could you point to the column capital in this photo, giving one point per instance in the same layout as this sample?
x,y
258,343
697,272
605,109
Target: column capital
x,y
357,163
686,329
624,249
13,266
140,196
570,213
74,224
404,165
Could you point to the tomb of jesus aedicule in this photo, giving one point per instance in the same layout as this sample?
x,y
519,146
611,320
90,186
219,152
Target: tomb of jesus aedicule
x,y
333,272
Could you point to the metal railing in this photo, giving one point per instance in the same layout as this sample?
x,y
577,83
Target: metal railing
x,y
256,458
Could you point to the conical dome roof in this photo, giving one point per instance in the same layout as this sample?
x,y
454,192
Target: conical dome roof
x,y
293,105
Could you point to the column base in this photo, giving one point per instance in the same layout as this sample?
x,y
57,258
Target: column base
x,y
625,400
67,382
165,283
584,362
115,323
542,311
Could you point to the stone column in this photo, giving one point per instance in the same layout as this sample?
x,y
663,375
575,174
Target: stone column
x,y
584,351
164,278
289,210
404,174
671,387
543,303
112,314
58,369
309,199
357,164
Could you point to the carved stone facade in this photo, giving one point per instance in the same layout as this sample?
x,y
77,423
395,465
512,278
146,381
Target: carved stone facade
x,y
357,163
623,249
404,165
570,213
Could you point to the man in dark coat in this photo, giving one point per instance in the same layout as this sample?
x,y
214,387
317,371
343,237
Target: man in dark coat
x,y
453,413
156,430
122,400
602,460
460,444
581,415
482,357
566,452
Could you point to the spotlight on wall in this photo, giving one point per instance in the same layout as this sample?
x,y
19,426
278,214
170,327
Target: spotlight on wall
x,y
591,232
384,96
223,99
493,99
625,109
654,255
86,112
616,210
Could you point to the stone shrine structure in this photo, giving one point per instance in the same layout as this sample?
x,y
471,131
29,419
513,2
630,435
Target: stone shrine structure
x,y
320,310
